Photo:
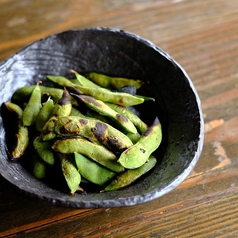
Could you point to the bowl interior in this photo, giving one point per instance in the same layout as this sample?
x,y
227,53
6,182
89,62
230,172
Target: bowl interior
x,y
116,53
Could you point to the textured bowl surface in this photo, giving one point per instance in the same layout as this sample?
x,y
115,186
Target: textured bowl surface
x,y
117,53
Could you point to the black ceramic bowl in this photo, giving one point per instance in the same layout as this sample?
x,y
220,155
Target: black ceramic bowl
x,y
116,53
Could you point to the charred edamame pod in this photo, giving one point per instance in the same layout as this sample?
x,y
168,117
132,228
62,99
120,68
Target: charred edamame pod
x,y
138,154
84,81
32,108
94,130
21,139
105,95
62,108
141,126
43,149
95,152
92,171
60,80
44,114
129,176
14,108
70,172
113,82
23,94
101,108
22,142
38,167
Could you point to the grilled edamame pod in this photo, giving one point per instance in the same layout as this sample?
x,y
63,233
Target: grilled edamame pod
x,y
141,126
101,108
22,134
22,142
129,176
113,82
44,114
62,108
60,80
14,108
38,167
105,95
136,155
94,130
70,172
93,172
84,81
43,149
95,152
23,94
33,107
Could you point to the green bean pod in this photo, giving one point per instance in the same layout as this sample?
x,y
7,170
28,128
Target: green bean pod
x,y
92,171
126,178
32,108
140,125
94,130
113,82
43,149
95,152
70,172
101,108
136,155
105,95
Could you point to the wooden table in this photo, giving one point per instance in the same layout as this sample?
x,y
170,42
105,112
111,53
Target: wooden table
x,y
203,37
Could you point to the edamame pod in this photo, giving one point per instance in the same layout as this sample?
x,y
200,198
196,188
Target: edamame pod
x,y
22,134
62,108
44,114
94,130
136,155
47,132
105,95
133,137
129,176
92,171
89,115
23,94
14,108
22,141
95,152
60,80
101,108
32,108
38,167
70,172
113,82
84,81
141,126
43,149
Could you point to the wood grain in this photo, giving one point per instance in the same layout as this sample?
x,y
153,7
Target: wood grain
x,y
202,37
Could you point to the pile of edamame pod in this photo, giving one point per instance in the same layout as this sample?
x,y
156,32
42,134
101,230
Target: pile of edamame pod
x,y
87,127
